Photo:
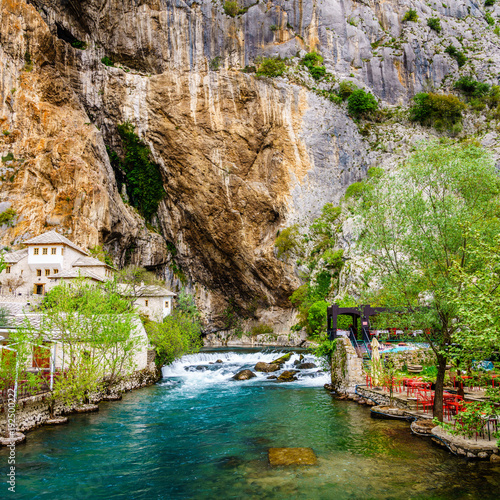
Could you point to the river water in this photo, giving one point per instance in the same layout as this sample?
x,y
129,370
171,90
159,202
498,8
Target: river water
x,y
198,434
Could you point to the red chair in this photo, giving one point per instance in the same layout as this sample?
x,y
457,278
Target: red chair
x,y
426,400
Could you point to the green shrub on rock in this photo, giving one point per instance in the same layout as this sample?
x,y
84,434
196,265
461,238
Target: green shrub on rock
x,y
471,87
456,54
346,88
411,16
107,61
287,240
434,23
272,67
439,110
361,103
312,61
231,8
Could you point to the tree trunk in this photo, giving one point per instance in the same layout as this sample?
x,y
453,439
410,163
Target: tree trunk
x,y
438,393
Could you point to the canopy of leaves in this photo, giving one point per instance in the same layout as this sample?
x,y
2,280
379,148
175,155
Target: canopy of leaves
x,y
430,108
361,103
471,87
287,240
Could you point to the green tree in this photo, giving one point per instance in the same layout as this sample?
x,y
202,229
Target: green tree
x,y
135,277
271,66
420,229
178,334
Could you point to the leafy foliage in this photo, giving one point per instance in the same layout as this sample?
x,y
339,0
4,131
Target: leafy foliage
x,y
471,87
271,66
178,334
361,103
434,23
456,54
287,240
260,329
439,110
142,177
346,88
107,61
231,8
8,216
422,230
489,3
411,15
312,61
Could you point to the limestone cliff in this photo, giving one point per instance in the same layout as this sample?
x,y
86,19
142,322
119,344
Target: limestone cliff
x,y
240,156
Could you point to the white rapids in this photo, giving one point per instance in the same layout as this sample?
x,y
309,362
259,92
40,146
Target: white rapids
x,y
200,371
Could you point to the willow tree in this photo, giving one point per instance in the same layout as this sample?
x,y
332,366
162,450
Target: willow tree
x,y
421,227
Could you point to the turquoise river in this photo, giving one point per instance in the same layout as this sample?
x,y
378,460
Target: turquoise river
x,y
198,434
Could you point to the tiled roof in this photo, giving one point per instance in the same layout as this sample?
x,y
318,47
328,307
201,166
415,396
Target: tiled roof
x,y
14,257
76,273
147,291
89,261
51,238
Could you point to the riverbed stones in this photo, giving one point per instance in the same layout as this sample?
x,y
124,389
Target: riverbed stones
x,y
423,427
292,456
244,375
266,367
495,458
219,361
287,376
90,408
272,377
306,366
283,359
112,397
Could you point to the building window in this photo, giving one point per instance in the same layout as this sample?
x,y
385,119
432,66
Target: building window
x,y
166,304
62,251
146,302
7,270
47,272
38,272
53,251
35,251
44,251
56,271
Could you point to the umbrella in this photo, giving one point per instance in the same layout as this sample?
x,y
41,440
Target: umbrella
x,y
376,366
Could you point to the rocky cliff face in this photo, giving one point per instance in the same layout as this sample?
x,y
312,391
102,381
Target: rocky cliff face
x,y
240,157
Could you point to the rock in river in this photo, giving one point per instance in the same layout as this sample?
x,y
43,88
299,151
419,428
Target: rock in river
x,y
282,360
266,367
287,376
306,366
244,375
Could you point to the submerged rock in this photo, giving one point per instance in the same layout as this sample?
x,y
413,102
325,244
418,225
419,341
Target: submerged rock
x,y
219,361
292,456
306,366
288,376
244,375
266,367
272,377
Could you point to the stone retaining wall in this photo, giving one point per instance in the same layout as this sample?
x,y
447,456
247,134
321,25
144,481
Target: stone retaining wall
x,y
384,399
33,411
347,367
422,356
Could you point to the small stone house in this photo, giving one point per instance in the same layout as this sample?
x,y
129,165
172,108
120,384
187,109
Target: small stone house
x,y
47,259
153,301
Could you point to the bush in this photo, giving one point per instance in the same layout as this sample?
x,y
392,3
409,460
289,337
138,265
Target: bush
x,y
471,87
440,110
489,18
355,190
8,157
231,8
489,3
214,64
457,55
261,329
7,217
346,88
272,67
78,44
317,317
361,103
411,15
107,61
312,61
287,240
434,23
142,177
318,72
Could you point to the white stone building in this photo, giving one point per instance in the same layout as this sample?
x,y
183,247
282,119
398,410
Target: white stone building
x,y
49,258
153,301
